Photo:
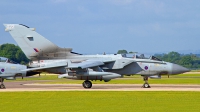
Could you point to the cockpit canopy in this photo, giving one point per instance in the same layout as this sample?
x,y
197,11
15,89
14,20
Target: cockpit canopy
x,y
6,60
141,56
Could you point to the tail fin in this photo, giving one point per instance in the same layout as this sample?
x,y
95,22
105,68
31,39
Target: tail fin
x,y
33,44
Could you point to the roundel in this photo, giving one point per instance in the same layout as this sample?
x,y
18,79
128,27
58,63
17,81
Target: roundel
x,y
146,67
2,70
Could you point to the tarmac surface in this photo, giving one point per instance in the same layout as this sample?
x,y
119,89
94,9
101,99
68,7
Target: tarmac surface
x,y
35,86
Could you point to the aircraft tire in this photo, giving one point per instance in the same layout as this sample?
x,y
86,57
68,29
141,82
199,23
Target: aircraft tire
x,y
2,86
146,85
87,84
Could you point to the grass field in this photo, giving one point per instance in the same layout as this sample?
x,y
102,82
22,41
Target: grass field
x,y
77,101
136,79
105,101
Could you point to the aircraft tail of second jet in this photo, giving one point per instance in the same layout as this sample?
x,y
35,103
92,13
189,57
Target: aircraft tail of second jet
x,y
34,45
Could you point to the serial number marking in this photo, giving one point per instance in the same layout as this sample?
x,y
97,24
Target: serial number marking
x,y
10,26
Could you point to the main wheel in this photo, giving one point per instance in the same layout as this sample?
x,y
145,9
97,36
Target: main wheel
x,y
2,86
87,84
146,85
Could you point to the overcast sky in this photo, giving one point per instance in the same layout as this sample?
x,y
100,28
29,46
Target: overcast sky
x,y
97,26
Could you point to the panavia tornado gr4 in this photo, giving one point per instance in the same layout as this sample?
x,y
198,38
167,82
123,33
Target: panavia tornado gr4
x,y
9,70
48,57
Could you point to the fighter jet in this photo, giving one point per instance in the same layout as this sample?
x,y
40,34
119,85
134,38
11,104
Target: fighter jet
x,y
9,70
48,57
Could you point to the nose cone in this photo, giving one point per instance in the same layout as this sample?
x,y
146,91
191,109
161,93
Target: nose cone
x,y
177,69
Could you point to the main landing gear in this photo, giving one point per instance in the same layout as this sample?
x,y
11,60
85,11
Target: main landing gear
x,y
146,84
2,86
87,84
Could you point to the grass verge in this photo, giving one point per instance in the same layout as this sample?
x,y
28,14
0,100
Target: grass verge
x,y
93,101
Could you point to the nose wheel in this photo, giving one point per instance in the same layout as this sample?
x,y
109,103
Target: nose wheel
x,y
87,84
146,84
2,86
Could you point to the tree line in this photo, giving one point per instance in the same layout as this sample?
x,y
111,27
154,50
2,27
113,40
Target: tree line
x,y
14,53
187,60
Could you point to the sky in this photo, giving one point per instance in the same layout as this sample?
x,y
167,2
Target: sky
x,y
98,26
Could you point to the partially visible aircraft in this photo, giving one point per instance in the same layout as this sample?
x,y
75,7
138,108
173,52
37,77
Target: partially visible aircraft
x,y
9,70
48,57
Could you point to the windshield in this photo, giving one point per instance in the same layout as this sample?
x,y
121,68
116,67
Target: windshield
x,y
154,58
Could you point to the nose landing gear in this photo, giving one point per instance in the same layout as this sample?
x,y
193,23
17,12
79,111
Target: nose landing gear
x,y
2,86
146,84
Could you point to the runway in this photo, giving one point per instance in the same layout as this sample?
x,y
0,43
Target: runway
x,y
35,86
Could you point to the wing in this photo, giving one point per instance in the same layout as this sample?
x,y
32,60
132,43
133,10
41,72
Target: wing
x,y
81,65
41,68
85,64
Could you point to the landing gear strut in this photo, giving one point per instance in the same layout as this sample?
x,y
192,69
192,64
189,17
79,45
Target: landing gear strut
x,y
2,86
146,84
87,84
